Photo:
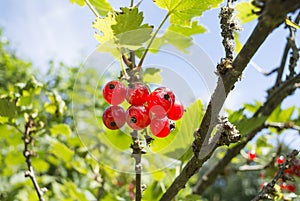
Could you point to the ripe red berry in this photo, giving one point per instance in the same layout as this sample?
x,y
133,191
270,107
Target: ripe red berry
x,y
160,101
280,160
291,187
114,92
114,117
137,94
252,155
283,186
160,127
176,111
137,117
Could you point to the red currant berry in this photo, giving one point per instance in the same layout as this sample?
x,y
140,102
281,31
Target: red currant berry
x,y
160,127
114,92
291,187
137,117
114,117
160,101
251,155
280,160
176,111
283,186
137,94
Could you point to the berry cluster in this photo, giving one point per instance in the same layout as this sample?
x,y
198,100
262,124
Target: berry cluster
x,y
157,109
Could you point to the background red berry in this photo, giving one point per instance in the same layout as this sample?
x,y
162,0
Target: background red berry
x,y
114,117
252,155
137,94
160,101
137,117
291,187
160,127
280,160
176,111
114,92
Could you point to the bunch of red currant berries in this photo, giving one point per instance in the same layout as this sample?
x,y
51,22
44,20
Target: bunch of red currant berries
x,y
157,109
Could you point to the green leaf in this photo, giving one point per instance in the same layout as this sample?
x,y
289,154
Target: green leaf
x,y
183,11
79,2
245,12
252,107
179,41
238,44
61,151
117,138
152,75
247,125
235,116
104,27
179,141
129,29
187,30
7,108
102,6
62,129
279,115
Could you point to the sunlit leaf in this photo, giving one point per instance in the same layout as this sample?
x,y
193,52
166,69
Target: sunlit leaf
x,y
61,151
247,125
7,108
245,12
152,75
102,6
62,129
188,30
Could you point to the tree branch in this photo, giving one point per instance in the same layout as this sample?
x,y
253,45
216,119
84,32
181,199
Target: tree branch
x,y
28,140
272,16
268,190
265,110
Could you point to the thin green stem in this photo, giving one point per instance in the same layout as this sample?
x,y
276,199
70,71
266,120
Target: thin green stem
x,y
92,8
151,41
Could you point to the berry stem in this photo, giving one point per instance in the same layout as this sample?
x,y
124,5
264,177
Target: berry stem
x,y
137,155
152,39
92,8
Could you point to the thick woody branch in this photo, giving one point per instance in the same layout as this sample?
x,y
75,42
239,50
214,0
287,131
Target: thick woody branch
x,y
28,141
272,16
265,110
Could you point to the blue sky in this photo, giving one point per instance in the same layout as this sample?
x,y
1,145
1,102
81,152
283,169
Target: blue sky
x,y
58,30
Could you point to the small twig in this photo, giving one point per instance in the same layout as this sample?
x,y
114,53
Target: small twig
x,y
281,126
28,140
268,190
261,70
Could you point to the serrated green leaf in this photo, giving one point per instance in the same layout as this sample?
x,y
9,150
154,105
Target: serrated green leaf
x,y
61,151
245,12
178,143
152,75
183,11
7,108
247,125
103,25
129,29
252,107
102,6
61,129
